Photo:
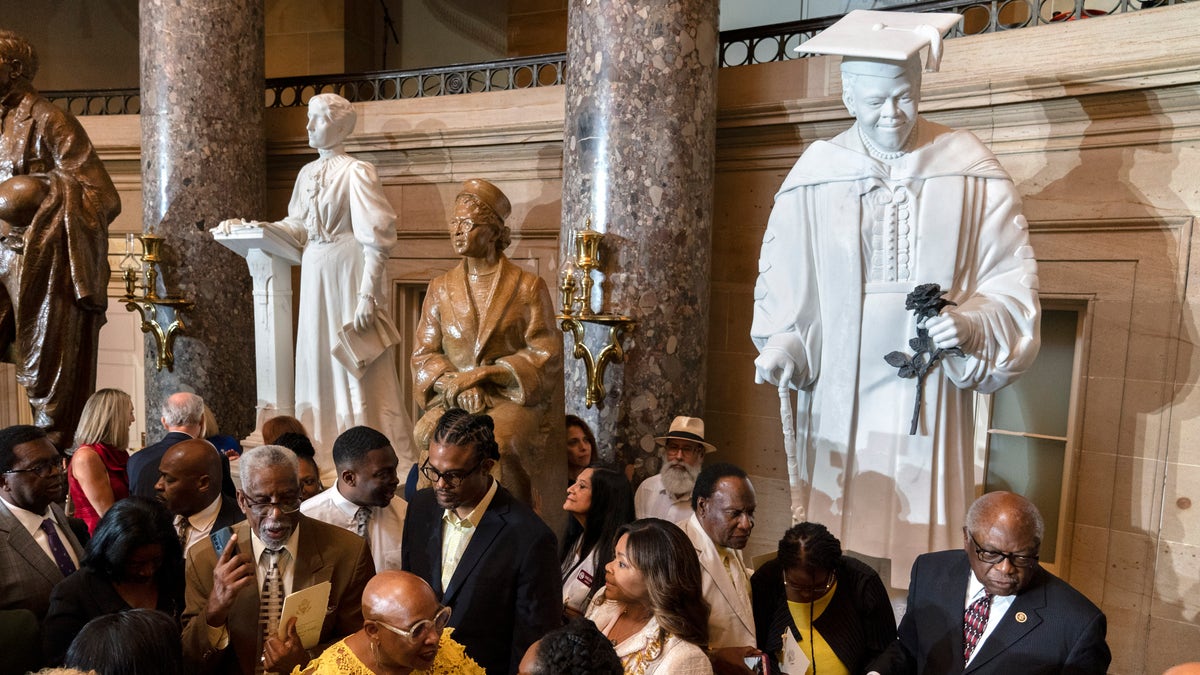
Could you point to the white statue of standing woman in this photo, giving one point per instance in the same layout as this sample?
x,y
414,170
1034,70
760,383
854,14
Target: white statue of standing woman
x,y
862,220
340,216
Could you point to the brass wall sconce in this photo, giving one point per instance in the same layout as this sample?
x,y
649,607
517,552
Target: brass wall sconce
x,y
576,294
147,304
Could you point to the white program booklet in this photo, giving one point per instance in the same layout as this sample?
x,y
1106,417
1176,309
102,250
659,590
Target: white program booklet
x,y
308,606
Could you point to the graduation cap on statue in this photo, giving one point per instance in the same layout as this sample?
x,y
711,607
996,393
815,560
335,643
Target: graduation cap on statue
x,y
874,38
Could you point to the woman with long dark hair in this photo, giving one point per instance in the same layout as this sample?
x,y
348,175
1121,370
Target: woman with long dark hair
x,y
652,607
831,603
133,561
581,447
599,502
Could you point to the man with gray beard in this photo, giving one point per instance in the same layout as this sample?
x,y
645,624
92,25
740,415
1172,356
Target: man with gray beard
x,y
668,495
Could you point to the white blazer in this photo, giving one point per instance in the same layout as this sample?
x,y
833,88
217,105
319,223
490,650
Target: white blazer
x,y
731,617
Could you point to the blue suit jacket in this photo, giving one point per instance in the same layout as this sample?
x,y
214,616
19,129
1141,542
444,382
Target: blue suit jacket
x,y
1050,627
143,464
506,591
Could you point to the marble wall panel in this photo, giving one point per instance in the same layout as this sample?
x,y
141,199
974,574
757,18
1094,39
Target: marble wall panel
x,y
1184,440
1170,643
1181,504
1089,560
1177,582
1095,478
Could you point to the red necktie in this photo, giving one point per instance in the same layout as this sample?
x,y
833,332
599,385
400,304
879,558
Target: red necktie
x,y
974,621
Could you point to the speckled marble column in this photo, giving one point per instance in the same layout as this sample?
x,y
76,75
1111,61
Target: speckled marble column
x,y
638,156
203,160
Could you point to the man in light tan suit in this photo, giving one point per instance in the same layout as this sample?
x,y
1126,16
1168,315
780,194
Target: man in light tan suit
x,y
222,633
723,505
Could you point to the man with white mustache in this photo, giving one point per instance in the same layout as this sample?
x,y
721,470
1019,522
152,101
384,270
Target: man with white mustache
x,y
668,494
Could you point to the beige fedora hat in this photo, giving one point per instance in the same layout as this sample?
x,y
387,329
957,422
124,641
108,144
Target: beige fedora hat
x,y
688,429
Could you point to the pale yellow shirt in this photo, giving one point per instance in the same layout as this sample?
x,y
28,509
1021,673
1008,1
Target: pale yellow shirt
x,y
457,533
811,639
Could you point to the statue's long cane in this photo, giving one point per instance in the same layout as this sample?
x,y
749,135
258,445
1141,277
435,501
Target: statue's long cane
x,y
789,448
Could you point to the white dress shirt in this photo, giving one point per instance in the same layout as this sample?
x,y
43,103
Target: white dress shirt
x,y
652,501
200,524
1000,605
33,523
457,533
384,529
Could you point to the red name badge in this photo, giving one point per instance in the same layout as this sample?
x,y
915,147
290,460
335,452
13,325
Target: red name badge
x,y
584,577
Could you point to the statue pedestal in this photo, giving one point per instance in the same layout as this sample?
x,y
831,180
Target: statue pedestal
x,y
270,256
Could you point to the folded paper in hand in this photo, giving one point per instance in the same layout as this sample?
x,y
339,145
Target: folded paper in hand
x,y
355,350
308,606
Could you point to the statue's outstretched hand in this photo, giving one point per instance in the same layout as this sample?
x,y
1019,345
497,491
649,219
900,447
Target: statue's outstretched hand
x,y
228,226
777,367
949,329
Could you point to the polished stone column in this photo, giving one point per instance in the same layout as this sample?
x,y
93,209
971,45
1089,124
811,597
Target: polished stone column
x,y
638,156
203,160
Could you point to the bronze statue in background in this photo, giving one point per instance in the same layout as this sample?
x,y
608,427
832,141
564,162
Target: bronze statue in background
x,y
56,201
488,341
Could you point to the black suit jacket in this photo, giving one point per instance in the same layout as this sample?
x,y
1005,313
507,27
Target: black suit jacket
x,y
505,592
143,467
1050,627
229,514
143,464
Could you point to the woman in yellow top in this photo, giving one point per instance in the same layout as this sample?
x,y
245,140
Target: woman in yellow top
x,y
404,632
830,603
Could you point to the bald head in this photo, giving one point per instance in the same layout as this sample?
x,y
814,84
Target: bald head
x,y
189,477
390,593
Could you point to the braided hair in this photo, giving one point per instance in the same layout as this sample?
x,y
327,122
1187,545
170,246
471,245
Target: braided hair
x,y
809,545
459,427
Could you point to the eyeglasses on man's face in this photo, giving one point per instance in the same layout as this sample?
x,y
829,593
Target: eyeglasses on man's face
x,y
420,630
990,557
50,467
451,479
262,509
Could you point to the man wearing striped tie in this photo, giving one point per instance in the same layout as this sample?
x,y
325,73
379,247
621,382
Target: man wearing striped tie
x,y
991,608
231,622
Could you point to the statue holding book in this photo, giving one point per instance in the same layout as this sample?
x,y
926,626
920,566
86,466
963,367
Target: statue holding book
x,y
345,356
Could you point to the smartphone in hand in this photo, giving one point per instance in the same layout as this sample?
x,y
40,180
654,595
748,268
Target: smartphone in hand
x,y
220,540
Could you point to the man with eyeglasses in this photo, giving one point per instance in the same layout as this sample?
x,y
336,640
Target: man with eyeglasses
x,y
668,494
484,552
991,608
37,546
233,601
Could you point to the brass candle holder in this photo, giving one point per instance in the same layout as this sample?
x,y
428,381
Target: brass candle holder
x,y
148,301
579,294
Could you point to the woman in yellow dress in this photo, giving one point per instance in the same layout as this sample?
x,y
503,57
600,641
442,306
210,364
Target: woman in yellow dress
x,y
404,632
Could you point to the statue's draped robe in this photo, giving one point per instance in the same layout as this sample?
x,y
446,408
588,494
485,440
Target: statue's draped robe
x,y
56,291
849,237
338,210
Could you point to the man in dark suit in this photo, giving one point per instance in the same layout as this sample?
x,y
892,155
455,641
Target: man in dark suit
x,y
487,555
183,418
991,608
189,483
37,546
279,551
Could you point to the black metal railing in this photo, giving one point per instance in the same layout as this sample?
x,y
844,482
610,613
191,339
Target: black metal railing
x,y
747,46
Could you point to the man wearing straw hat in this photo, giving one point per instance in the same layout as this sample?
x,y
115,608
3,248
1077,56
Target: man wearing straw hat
x,y
861,221
668,494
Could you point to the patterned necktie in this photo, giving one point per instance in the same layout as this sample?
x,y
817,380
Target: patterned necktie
x,y
270,601
184,528
61,557
361,517
975,620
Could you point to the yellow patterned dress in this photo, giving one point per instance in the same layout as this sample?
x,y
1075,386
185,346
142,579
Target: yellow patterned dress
x,y
338,659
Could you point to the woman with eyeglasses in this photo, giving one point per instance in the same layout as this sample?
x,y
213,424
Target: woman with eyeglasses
x,y
652,608
832,604
134,561
96,476
404,632
599,502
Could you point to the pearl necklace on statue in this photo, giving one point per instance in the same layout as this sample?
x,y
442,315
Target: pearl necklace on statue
x,y
884,155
